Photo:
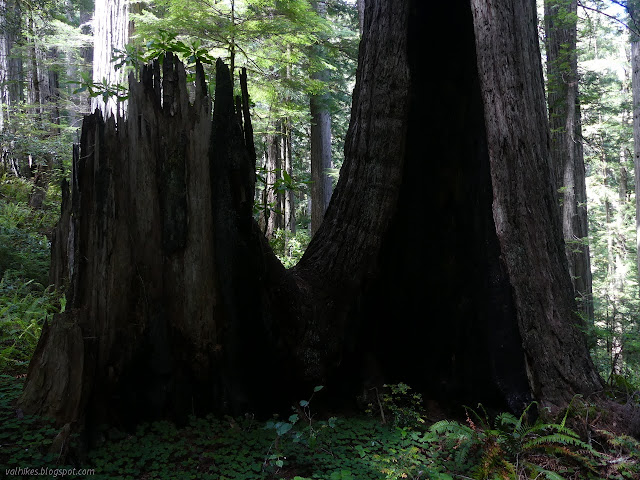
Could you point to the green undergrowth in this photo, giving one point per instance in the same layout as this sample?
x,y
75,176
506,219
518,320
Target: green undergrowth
x,y
25,298
301,447
289,247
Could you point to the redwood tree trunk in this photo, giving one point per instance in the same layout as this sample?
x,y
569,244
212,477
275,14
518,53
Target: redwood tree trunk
x,y
634,11
111,30
156,305
525,201
561,20
320,134
176,300
360,6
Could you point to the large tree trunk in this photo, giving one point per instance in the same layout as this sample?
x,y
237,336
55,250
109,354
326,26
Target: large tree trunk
x,y
159,298
561,20
525,207
176,300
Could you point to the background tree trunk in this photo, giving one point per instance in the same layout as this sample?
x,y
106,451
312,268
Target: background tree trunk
x,y
273,196
320,134
360,5
11,73
110,30
561,20
634,11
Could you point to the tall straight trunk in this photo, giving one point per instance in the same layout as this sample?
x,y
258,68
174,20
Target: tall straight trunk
x,y
287,155
560,18
44,97
15,69
360,5
273,199
290,204
111,31
11,67
278,149
634,11
35,94
4,54
51,96
320,135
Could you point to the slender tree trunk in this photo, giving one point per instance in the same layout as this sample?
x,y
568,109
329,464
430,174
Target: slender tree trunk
x,y
360,5
277,150
11,73
635,88
290,203
566,143
111,28
35,95
40,165
320,135
274,199
15,69
232,44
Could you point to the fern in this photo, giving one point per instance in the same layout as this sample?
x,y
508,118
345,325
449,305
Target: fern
x,y
451,427
556,438
458,438
493,462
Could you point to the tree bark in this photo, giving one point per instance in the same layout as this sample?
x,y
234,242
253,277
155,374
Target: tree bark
x,y
128,347
525,202
566,143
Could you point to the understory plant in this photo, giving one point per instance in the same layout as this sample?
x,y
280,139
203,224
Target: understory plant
x,y
303,447
512,447
25,299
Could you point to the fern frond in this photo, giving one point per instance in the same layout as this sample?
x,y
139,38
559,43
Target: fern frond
x,y
539,427
556,438
506,418
450,426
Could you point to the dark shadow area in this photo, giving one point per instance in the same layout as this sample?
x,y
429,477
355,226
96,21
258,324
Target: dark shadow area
x,y
441,317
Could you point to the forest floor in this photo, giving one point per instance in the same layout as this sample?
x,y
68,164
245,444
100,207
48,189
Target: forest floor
x,y
395,443
303,448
